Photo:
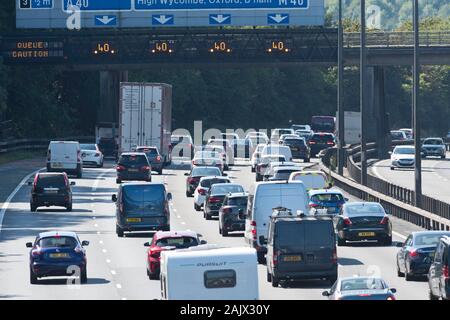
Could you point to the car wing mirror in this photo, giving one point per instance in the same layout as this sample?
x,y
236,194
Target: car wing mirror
x,y
225,175
399,245
72,183
30,183
203,242
85,243
29,245
393,290
114,198
325,294
262,240
147,244
390,152
169,196
186,174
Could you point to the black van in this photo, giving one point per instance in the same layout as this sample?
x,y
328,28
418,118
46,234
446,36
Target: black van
x,y
301,247
142,207
438,276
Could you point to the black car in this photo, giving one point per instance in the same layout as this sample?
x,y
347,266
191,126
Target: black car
x,y
299,148
232,213
133,166
51,189
193,177
181,146
438,276
300,248
154,157
321,141
108,147
417,252
359,221
216,195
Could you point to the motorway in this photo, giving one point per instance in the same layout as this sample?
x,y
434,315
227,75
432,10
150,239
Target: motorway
x,y
116,266
435,176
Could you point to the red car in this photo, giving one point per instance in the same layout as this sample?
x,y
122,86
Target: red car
x,y
168,240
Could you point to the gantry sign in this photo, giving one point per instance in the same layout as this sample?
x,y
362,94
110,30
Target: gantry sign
x,y
167,13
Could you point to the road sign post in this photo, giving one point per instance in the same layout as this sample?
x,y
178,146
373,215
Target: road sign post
x,y
363,100
341,128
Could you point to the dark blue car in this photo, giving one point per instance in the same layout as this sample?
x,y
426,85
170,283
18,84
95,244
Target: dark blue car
x,y
57,253
327,200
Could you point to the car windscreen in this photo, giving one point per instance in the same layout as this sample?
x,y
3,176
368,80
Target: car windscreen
x,y
238,201
364,210
143,199
284,174
224,189
429,239
207,183
404,151
128,160
178,242
203,172
58,242
88,147
327,197
51,181
433,142
362,284
397,135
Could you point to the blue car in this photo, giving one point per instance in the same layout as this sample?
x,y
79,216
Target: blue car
x,y
57,253
326,201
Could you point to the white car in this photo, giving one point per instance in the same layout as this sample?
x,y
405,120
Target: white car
x,y
91,154
256,156
208,159
277,133
275,149
402,157
203,187
65,156
408,132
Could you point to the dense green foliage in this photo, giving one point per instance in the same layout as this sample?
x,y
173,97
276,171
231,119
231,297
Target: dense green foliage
x,y
44,101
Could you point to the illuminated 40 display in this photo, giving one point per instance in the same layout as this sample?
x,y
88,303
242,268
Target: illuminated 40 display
x,y
104,48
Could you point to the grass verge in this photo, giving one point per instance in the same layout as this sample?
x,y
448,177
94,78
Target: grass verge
x,y
20,155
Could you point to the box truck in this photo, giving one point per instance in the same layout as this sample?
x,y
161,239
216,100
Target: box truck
x,y
352,127
145,117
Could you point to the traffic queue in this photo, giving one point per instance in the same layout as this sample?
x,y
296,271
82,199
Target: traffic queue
x,y
292,219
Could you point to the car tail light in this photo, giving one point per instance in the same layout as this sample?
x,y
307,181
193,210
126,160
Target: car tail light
x,y
385,220
347,222
201,191
214,200
364,295
35,181
145,168
445,272
413,253
313,205
78,249
79,155
334,257
391,298
154,253
120,168
330,143
227,210
36,253
254,233
275,258
158,158
191,180
312,142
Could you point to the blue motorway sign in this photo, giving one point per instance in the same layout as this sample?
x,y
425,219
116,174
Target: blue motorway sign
x,y
79,14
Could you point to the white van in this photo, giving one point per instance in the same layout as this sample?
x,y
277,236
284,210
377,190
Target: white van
x,y
263,197
312,180
65,156
275,149
207,272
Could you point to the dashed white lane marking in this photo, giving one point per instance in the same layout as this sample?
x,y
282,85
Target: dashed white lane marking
x,y
101,242
174,210
179,217
183,223
11,196
118,286
98,232
97,181
399,235
108,261
104,250
96,225
113,272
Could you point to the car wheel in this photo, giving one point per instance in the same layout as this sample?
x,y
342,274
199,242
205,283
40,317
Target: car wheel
x,y
261,258
153,276
269,276
388,241
79,174
207,216
118,181
443,157
83,277
408,276
100,165
253,169
341,242
69,207
392,168
275,282
399,273
196,207
33,278
225,233
307,160
220,230
33,208
119,232
432,296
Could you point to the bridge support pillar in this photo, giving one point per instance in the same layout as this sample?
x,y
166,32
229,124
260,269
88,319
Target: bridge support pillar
x,y
108,110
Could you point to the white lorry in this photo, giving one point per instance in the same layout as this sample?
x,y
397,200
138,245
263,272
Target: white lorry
x,y
145,117
352,125
208,272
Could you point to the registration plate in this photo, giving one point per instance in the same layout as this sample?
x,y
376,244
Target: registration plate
x,y
133,170
57,165
51,191
366,234
59,255
292,258
294,149
133,219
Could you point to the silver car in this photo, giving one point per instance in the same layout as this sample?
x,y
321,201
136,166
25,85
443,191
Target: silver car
x,y
360,288
433,147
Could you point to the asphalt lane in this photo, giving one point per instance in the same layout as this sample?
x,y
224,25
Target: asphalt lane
x,y
116,266
435,176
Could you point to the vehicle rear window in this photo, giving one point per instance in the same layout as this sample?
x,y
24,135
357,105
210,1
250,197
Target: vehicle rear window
x,y
178,242
267,160
327,198
220,279
238,201
133,160
51,181
58,242
322,138
223,189
294,142
435,142
203,172
362,284
207,183
88,147
429,239
365,209
288,234
149,151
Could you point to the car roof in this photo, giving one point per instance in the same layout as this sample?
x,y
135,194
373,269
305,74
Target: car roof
x,y
206,167
322,191
133,153
404,147
237,194
228,184
141,183
361,278
213,177
428,232
51,174
278,168
169,234
434,138
57,233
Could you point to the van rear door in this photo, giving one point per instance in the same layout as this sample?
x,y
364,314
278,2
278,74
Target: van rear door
x,y
146,203
320,244
63,155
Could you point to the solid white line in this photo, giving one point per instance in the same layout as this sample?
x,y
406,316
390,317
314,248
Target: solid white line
x,y
375,171
399,235
11,196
